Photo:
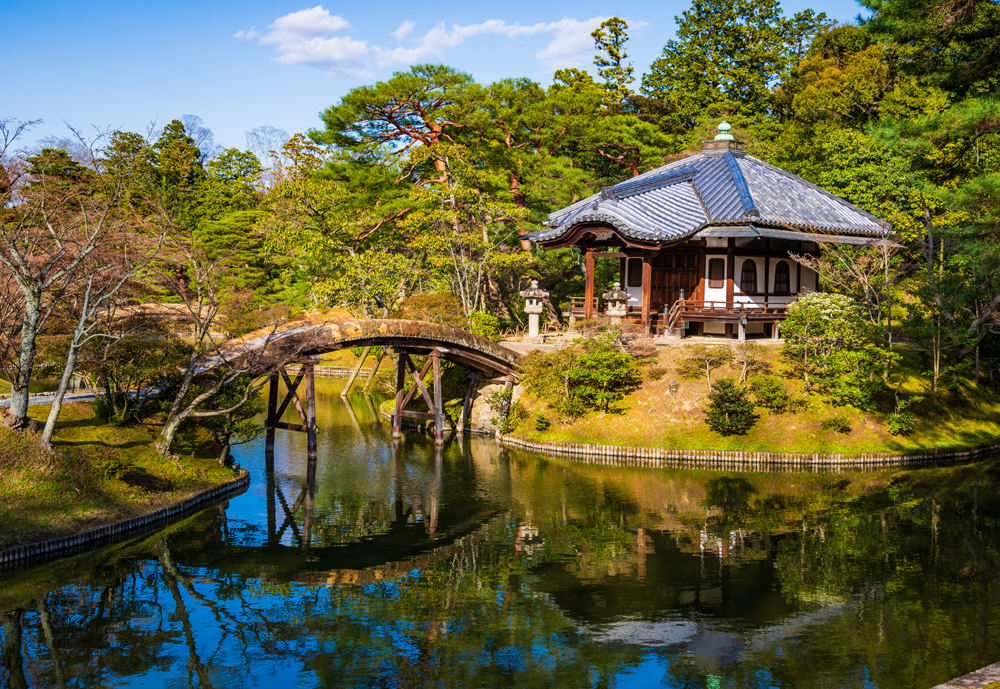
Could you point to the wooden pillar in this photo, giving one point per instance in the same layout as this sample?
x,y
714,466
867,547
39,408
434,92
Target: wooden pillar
x,y
699,295
397,418
647,289
767,272
311,410
467,403
798,277
371,376
438,410
269,476
272,408
310,493
588,293
730,269
355,372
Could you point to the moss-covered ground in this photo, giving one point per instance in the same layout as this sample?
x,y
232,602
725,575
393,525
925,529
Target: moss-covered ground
x,y
100,474
966,414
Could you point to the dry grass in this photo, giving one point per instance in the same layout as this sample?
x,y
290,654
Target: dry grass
x,y
968,416
100,474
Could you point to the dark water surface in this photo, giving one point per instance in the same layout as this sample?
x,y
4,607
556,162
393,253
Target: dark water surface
x,y
476,566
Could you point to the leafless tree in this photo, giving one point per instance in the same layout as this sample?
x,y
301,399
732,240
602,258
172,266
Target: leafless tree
x,y
51,225
267,142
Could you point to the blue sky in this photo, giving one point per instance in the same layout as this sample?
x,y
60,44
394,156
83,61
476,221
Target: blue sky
x,y
239,65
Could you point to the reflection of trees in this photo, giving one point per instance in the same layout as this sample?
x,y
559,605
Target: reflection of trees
x,y
13,659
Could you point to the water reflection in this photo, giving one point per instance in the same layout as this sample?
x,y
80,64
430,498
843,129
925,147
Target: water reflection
x,y
398,564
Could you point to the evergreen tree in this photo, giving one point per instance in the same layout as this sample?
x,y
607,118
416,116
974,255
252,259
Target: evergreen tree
x,y
610,38
727,52
730,411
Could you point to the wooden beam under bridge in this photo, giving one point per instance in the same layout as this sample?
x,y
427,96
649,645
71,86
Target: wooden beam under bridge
x,y
307,415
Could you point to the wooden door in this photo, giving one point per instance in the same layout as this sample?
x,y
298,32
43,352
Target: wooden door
x,y
674,270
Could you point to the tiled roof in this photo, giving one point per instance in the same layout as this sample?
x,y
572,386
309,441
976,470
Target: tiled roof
x,y
677,200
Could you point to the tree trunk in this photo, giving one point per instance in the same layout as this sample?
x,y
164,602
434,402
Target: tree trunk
x,y
67,377
19,395
166,438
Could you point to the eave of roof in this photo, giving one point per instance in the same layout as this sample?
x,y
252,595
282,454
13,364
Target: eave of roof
x,y
677,201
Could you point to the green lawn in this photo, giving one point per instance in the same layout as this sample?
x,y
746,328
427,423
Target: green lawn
x,y
100,474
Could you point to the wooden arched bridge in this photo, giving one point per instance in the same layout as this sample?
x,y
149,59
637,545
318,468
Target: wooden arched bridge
x,y
302,343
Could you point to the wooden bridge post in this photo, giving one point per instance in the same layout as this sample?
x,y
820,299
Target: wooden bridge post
x,y
371,377
438,409
467,403
355,372
309,495
397,415
311,409
272,408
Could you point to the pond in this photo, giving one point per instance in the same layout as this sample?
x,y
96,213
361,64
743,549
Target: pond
x,y
476,566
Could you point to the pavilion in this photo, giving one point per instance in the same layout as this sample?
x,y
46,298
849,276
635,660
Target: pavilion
x,y
704,243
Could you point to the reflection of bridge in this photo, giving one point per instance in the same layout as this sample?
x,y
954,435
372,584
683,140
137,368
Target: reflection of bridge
x,y
484,359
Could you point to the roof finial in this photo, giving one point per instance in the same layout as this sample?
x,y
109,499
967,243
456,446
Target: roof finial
x,y
724,135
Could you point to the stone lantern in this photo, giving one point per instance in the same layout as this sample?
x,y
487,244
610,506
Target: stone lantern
x,y
533,306
617,303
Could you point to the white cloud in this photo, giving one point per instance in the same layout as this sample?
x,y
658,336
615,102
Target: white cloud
x,y
404,30
571,40
304,37
312,22
315,37
572,45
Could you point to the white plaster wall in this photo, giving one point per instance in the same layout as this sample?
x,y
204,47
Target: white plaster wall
x,y
716,293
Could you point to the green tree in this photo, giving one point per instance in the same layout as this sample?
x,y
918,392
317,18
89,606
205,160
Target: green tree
x,y
727,52
830,343
730,411
603,376
610,38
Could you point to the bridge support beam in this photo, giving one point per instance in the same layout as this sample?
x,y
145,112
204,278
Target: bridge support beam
x,y
276,411
435,403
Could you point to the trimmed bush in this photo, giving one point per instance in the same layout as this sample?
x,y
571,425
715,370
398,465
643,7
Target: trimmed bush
x,y
838,423
730,411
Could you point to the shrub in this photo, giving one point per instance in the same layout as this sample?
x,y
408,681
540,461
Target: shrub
x,y
656,372
487,325
769,393
730,411
796,404
507,416
901,423
603,377
838,423
541,423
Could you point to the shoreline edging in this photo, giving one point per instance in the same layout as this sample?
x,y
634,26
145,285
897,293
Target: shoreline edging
x,y
86,538
654,457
